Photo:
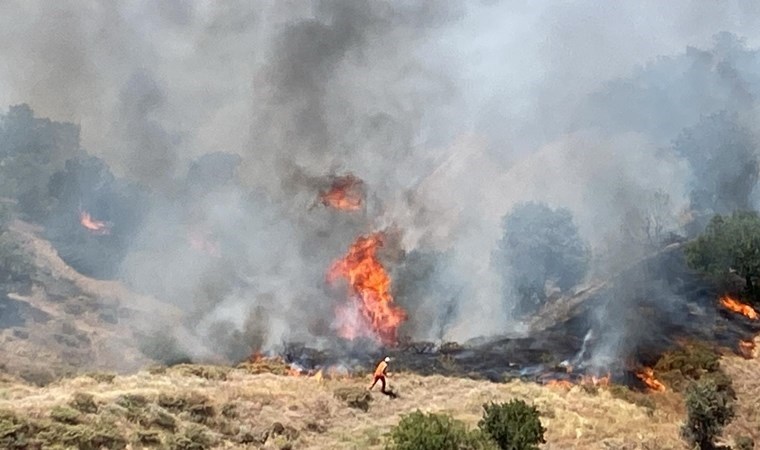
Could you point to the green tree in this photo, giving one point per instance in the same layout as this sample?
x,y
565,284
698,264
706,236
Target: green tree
x,y
729,245
708,411
513,425
541,244
420,431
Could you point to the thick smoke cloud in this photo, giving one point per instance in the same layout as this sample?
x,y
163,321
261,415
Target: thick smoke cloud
x,y
450,112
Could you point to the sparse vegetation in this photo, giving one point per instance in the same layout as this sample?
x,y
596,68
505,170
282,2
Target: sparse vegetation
x,y
513,426
708,411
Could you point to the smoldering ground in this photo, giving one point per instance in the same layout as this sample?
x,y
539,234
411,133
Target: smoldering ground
x,y
451,113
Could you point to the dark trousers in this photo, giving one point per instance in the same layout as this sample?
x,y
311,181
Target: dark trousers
x,y
381,379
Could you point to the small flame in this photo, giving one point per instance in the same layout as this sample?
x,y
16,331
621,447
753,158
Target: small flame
x,y
345,194
294,371
371,311
593,380
747,349
647,376
256,357
95,226
561,384
738,307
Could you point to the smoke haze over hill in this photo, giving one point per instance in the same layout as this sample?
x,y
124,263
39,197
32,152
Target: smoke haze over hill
x,y
451,113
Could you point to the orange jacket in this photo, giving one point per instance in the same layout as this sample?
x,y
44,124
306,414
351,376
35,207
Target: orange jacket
x,y
381,368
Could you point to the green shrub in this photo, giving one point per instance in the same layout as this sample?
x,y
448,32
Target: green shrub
x,y
708,410
678,367
193,437
420,431
64,414
513,425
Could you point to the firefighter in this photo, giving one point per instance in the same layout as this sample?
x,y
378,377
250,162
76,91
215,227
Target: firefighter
x,y
381,372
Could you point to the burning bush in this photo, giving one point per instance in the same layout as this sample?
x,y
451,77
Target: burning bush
x,y
419,431
708,411
513,425
541,245
730,244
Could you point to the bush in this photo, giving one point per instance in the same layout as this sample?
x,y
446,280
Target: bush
x,y
729,244
708,411
419,431
513,425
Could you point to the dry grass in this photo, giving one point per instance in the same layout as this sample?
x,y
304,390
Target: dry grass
x,y
745,374
237,406
244,402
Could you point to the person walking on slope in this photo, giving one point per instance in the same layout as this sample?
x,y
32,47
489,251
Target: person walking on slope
x,y
381,371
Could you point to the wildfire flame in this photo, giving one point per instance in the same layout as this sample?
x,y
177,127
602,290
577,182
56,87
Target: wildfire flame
x,y
738,307
747,349
561,384
294,371
593,380
95,226
647,376
344,194
371,311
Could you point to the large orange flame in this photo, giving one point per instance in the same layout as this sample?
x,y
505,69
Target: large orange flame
x,y
738,307
370,311
344,194
647,376
95,226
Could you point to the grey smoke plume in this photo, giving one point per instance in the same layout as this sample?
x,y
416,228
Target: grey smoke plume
x,y
450,112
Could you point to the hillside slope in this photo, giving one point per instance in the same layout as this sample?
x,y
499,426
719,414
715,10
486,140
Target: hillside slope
x,y
218,407
55,320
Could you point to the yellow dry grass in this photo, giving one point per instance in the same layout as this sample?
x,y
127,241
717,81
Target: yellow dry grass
x,y
744,374
574,418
